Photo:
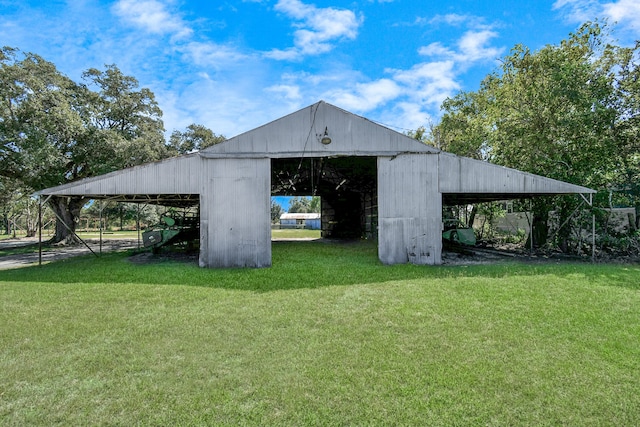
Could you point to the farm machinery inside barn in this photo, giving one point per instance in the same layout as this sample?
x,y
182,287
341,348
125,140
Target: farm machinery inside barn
x,y
182,229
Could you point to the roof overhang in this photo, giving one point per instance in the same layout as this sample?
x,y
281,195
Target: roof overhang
x,y
177,181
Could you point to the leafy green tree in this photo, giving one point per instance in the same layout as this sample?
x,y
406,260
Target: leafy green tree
x,y
276,211
627,129
6,202
465,128
314,204
17,208
194,138
555,112
54,130
120,214
299,205
304,205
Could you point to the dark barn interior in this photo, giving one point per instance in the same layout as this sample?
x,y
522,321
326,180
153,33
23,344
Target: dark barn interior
x,y
347,187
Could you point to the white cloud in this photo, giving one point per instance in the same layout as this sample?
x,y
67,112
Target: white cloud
x,y
625,12
211,54
410,114
153,16
366,96
473,46
452,19
317,28
435,49
290,54
289,92
408,95
429,82
578,10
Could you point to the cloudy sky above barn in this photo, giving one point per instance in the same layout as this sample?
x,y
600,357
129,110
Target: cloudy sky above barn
x,y
235,65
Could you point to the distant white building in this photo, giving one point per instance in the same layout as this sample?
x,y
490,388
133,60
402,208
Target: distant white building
x,y
300,220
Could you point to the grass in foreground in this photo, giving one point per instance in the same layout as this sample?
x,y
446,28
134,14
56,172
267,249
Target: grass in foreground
x,y
326,336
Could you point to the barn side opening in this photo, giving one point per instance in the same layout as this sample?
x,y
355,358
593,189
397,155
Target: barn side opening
x,y
347,187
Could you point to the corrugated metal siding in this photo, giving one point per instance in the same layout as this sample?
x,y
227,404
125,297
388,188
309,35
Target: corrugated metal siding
x,y
409,210
180,175
235,209
464,175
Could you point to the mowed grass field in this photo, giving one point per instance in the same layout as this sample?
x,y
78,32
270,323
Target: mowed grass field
x,y
327,336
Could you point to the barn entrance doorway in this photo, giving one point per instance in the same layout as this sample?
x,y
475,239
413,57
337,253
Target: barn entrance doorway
x,y
347,187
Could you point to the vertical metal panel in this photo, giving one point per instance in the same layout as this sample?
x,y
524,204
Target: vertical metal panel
x,y
235,213
409,210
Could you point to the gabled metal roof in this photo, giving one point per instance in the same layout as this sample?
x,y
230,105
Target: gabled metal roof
x,y
300,135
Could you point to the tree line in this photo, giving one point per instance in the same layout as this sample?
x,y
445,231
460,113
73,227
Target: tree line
x,y
569,111
54,130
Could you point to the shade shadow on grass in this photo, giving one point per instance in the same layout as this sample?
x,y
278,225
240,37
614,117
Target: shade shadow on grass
x,y
300,265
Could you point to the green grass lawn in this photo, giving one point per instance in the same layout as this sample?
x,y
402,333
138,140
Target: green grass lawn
x,y
108,234
327,336
295,234
133,235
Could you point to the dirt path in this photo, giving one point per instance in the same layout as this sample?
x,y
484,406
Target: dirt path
x,y
53,254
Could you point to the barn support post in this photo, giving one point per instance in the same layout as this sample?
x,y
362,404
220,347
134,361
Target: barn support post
x,y
593,226
409,210
40,230
138,223
100,223
593,230
531,227
235,213
40,204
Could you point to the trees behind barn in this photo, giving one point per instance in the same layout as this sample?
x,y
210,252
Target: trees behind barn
x,y
568,111
54,130
194,138
300,204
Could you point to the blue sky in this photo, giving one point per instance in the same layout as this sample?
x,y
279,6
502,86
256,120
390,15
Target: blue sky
x,y
235,65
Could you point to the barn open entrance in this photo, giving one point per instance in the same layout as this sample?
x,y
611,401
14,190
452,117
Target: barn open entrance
x,y
347,187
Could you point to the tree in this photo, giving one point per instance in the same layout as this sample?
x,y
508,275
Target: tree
x,y
7,201
54,130
304,205
276,211
555,112
314,205
120,214
195,138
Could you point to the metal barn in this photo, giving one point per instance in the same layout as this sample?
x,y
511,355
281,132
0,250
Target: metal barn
x,y
372,181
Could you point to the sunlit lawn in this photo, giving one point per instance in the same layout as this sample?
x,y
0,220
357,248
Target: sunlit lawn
x,y
295,234
327,336
92,236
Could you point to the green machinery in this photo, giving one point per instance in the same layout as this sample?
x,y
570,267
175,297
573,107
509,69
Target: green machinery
x,y
458,233
182,230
